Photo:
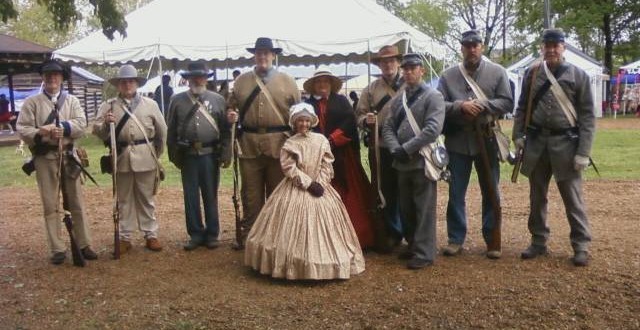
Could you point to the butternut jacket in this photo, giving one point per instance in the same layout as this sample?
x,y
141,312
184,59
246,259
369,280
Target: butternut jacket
x,y
548,115
260,114
492,79
134,157
370,98
428,110
34,114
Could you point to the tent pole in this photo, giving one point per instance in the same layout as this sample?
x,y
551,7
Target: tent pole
x,y
346,75
11,95
226,49
161,85
368,62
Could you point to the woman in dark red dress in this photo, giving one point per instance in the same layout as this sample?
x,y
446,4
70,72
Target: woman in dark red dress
x,y
337,121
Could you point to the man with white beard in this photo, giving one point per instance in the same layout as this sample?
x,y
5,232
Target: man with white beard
x,y
198,144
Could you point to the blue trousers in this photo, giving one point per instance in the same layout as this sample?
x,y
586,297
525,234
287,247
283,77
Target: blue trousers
x,y
201,175
460,167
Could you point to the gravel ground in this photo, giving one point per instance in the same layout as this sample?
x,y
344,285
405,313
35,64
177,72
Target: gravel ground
x,y
205,289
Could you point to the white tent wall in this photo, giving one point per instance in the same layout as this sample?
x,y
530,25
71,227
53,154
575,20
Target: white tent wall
x,y
574,56
219,33
632,68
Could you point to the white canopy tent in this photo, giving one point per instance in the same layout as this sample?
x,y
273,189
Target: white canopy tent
x,y
632,68
574,56
219,32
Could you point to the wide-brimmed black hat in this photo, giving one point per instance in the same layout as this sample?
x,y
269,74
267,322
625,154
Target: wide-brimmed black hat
x,y
411,59
471,36
552,35
54,66
264,43
196,70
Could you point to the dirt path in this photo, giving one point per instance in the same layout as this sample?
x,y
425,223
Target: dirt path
x,y
206,289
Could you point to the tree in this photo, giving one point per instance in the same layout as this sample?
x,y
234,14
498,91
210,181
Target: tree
x,y
445,20
612,23
65,14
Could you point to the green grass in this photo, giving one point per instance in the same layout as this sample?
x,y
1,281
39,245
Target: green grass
x,y
616,152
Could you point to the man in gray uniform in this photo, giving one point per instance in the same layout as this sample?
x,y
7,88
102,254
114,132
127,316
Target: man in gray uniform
x,y
416,194
557,141
465,112
198,144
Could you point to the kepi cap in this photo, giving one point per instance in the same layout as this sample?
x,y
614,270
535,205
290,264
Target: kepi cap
x,y
411,59
471,36
552,35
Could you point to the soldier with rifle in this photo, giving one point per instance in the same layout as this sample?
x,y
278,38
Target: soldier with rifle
x,y
476,93
554,128
371,111
259,106
52,147
140,134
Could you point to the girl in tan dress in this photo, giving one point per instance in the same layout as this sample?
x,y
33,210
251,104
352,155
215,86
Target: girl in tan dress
x,y
303,230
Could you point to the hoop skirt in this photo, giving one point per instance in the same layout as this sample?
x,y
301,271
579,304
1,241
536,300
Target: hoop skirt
x,y
297,235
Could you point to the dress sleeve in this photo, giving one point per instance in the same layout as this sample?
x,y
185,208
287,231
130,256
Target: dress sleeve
x,y
289,162
326,166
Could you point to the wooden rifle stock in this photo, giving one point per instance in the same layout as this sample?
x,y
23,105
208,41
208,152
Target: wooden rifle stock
x,y
234,198
78,259
381,236
517,165
496,233
114,189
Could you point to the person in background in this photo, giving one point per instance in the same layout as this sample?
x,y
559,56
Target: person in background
x,y
163,93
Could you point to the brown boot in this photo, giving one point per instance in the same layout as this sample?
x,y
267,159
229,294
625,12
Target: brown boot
x,y
153,244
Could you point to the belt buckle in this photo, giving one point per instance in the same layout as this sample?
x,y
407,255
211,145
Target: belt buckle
x,y
262,130
197,145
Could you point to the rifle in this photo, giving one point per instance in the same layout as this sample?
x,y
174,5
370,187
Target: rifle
x,y
114,190
234,198
495,243
78,259
527,119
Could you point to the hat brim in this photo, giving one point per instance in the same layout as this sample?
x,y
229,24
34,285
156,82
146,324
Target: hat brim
x,y
190,74
65,73
275,50
377,59
141,81
336,83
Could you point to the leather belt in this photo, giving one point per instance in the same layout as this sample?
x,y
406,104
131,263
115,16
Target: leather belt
x,y
132,143
535,130
265,130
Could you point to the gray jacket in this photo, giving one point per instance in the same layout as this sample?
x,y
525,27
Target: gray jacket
x,y
548,116
199,129
428,110
494,82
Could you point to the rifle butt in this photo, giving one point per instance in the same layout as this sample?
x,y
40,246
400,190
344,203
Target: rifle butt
x,y
76,254
116,241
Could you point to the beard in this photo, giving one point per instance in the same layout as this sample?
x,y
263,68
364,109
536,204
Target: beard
x,y
197,89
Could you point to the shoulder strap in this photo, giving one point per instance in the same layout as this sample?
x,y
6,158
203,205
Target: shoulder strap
x,y
480,95
248,102
144,133
382,102
561,96
412,121
206,114
267,94
187,120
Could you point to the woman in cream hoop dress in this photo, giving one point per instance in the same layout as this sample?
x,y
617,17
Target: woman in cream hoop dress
x,y
303,230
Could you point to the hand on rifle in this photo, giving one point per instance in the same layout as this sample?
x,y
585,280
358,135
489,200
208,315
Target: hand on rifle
x,y
315,189
109,118
47,131
580,163
232,116
519,143
371,118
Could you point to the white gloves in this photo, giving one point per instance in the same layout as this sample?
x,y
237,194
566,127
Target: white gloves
x,y
580,163
519,143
